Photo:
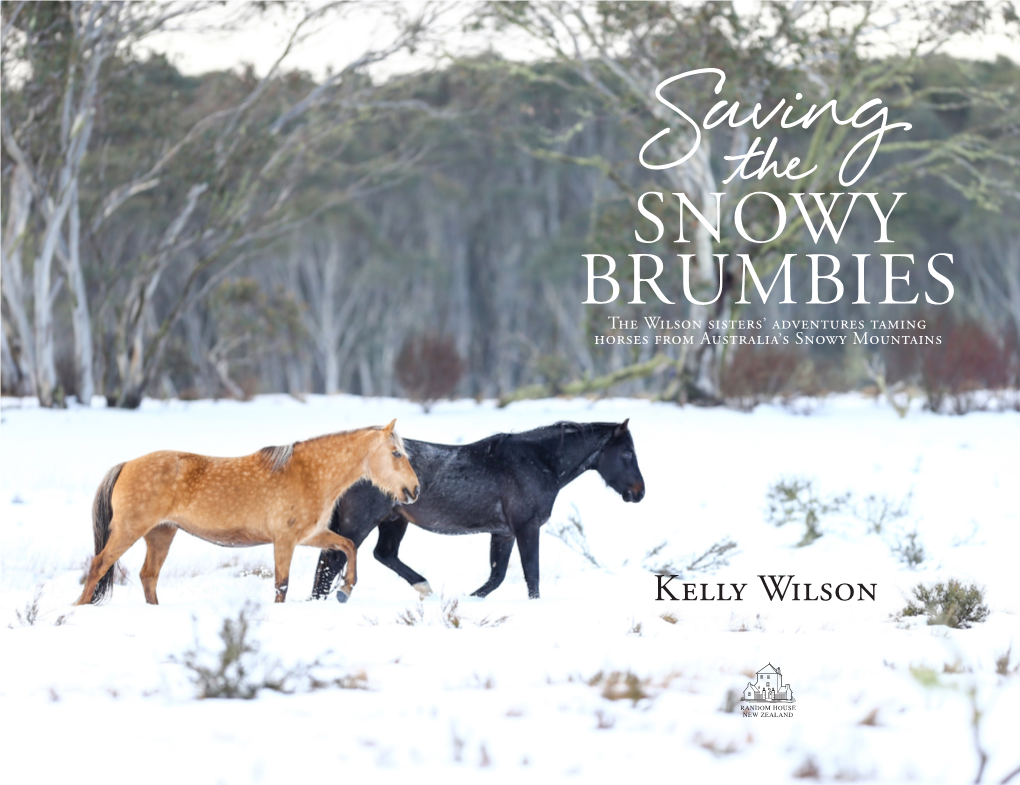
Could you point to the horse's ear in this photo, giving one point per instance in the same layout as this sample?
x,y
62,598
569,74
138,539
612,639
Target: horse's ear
x,y
621,428
389,428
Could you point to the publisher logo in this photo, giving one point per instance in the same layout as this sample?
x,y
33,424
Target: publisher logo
x,y
769,695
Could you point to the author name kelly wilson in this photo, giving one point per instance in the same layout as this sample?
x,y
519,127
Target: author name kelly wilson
x,y
777,587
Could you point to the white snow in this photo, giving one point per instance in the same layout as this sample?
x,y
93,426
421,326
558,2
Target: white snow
x,y
103,695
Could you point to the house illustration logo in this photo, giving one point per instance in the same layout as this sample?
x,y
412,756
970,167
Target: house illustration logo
x,y
768,696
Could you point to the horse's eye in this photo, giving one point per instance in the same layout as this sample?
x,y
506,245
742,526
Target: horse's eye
x,y
628,454
396,453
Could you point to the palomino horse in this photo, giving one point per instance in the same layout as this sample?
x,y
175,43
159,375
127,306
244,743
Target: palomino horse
x,y
504,485
279,495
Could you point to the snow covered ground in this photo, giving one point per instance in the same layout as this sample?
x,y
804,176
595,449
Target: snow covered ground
x,y
101,693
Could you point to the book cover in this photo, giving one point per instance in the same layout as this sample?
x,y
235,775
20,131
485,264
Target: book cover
x,y
557,390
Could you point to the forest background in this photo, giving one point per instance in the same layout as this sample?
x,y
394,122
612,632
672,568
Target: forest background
x,y
420,232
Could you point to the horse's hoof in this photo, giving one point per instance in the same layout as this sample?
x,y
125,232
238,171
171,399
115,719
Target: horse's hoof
x,y
343,594
422,588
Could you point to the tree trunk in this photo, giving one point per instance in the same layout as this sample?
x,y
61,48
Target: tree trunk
x,y
43,296
19,204
79,306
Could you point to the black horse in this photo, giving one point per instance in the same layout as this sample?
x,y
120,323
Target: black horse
x,y
504,485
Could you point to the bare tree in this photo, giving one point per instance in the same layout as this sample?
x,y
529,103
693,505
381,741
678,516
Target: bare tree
x,y
253,153
47,177
53,60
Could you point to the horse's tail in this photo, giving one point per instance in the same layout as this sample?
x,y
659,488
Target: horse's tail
x,y
102,514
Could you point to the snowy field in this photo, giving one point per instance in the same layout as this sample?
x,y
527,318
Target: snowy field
x,y
102,693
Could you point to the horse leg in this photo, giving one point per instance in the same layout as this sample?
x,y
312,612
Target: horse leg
x,y
283,552
157,544
122,536
331,562
527,546
391,532
331,541
499,557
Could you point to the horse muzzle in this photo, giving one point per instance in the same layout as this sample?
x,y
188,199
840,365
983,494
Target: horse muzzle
x,y
635,493
410,497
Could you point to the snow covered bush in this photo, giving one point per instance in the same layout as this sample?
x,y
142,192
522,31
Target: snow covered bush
x,y
716,556
950,603
909,550
31,610
237,671
622,685
571,532
448,615
796,500
878,511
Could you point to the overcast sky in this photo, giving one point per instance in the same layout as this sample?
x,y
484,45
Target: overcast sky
x,y
341,39
338,40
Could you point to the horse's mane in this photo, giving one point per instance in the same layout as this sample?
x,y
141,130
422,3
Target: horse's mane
x,y
589,430
564,427
276,458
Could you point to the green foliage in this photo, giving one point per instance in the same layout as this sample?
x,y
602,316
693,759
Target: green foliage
x,y
797,501
927,677
949,603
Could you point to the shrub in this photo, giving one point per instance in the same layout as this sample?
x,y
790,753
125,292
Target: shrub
x,y
31,614
950,603
1002,663
909,550
713,558
877,510
428,368
757,374
237,671
448,616
953,374
796,500
731,701
619,685
572,534
971,360
258,571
